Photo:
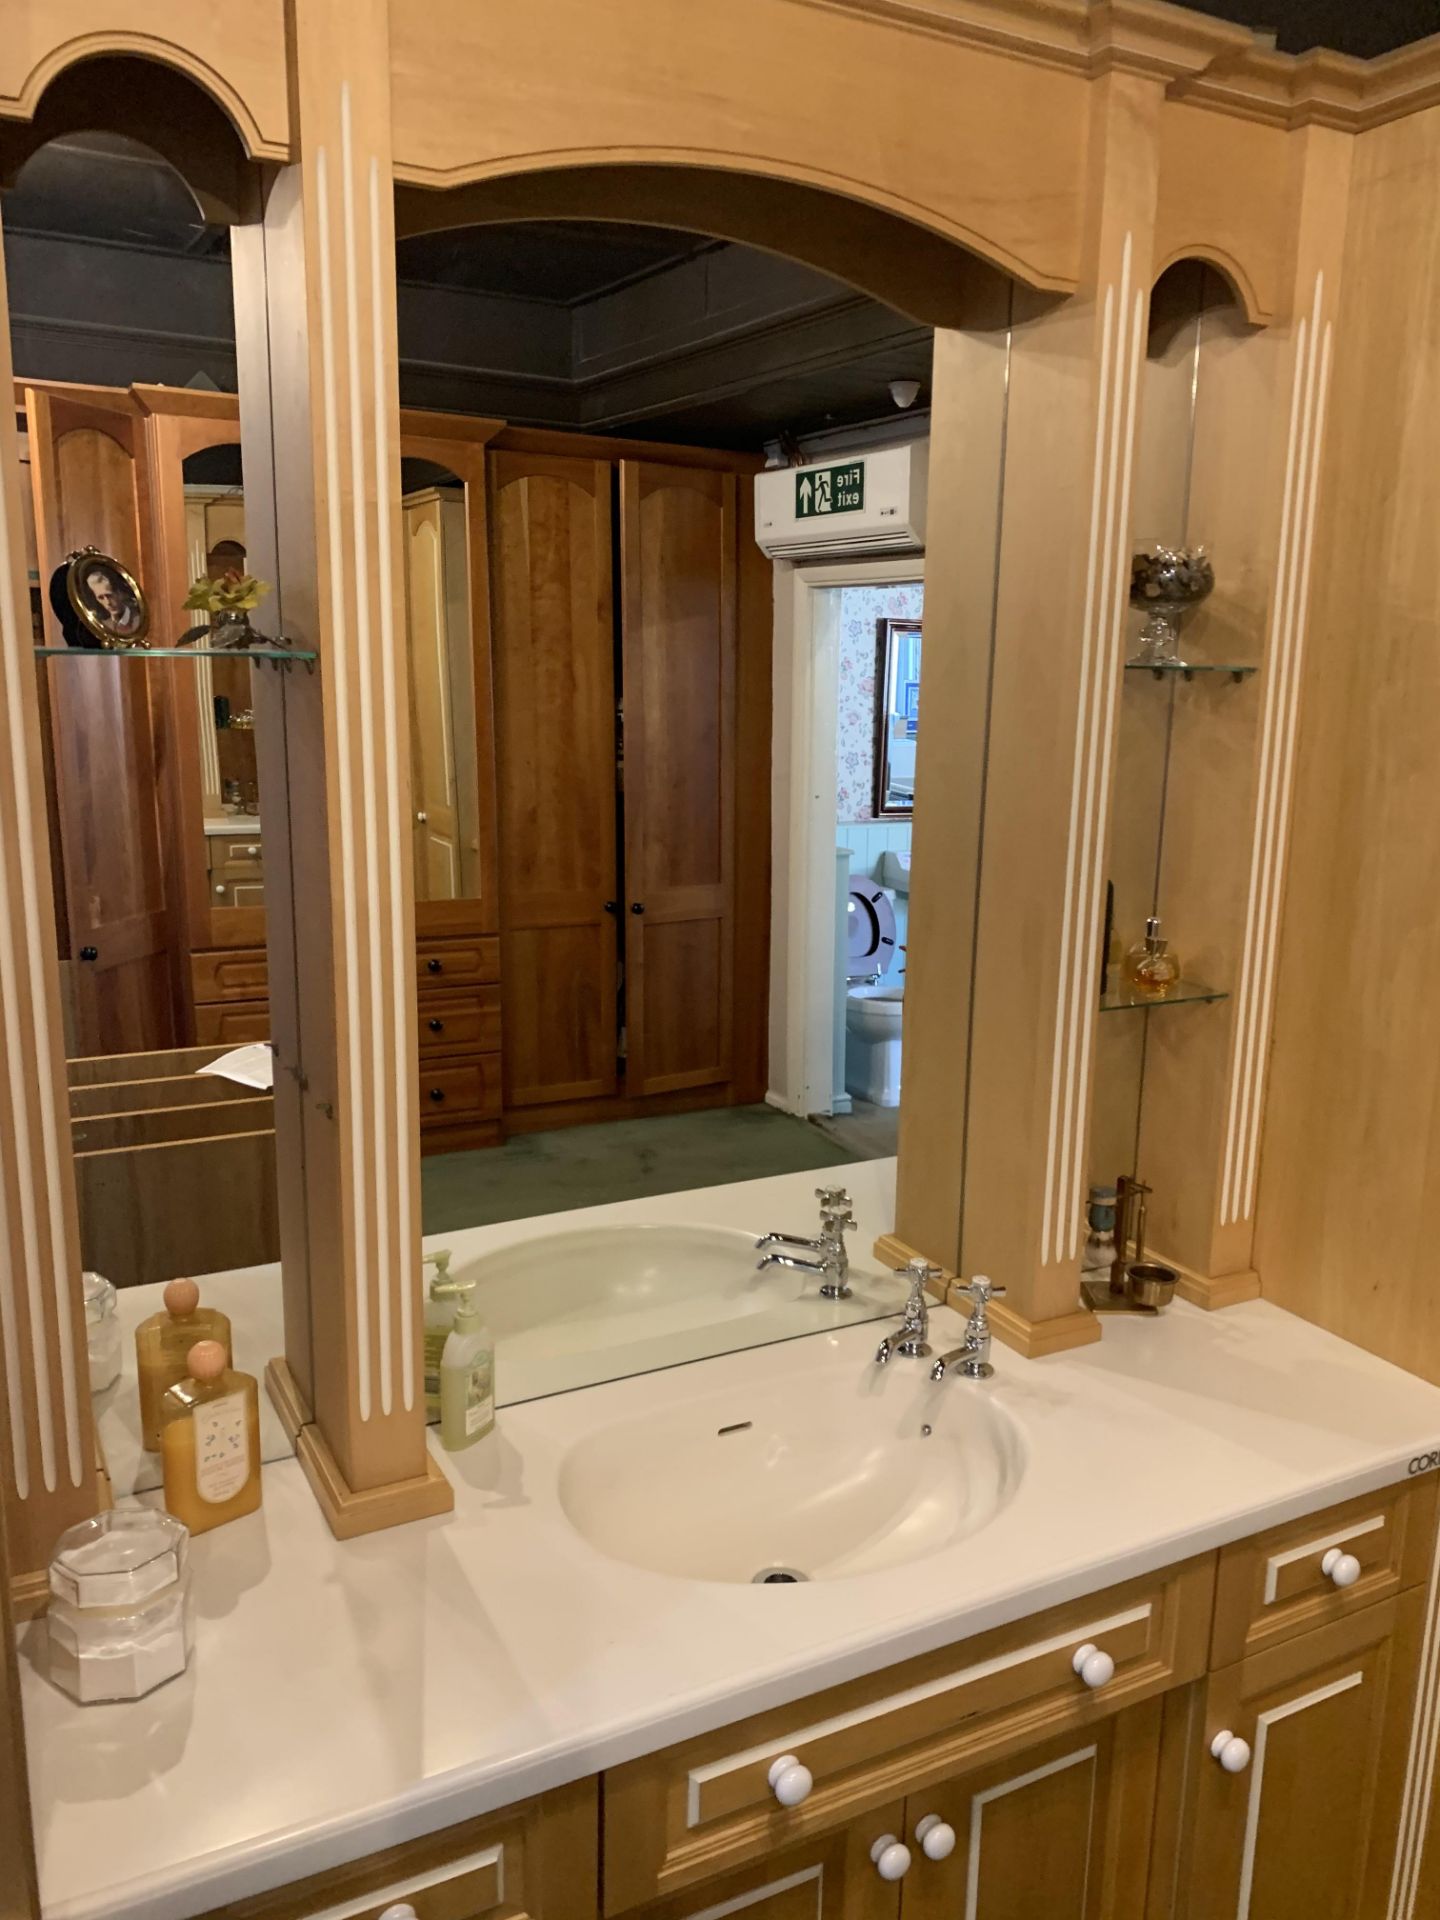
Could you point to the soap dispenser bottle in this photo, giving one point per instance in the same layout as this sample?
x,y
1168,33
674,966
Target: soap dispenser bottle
x,y
439,1320
467,1371
163,1341
210,1441
1150,967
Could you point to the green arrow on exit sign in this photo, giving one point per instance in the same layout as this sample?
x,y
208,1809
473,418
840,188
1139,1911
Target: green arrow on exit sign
x,y
825,490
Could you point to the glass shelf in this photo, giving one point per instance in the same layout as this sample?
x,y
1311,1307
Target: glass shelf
x,y
1121,999
282,656
1189,668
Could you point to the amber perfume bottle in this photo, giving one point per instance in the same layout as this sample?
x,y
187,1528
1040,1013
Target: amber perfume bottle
x,y
1151,969
210,1441
161,1344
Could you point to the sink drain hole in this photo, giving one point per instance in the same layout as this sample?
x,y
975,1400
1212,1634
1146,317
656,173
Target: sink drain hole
x,y
778,1577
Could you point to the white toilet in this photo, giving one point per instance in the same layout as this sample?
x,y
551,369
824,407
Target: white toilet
x,y
874,1008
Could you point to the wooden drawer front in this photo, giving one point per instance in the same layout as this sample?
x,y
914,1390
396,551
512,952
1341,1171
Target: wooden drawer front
x,y
536,1861
236,892
233,1024
460,1022
707,1805
457,963
465,1889
1274,1586
229,974
466,1092
232,853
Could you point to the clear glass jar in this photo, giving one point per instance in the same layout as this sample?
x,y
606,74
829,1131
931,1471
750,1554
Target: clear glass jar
x,y
120,1621
102,1331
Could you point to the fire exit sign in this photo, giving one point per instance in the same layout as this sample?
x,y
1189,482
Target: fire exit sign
x,y
823,490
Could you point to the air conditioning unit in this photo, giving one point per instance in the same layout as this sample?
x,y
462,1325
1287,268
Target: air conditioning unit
x,y
873,502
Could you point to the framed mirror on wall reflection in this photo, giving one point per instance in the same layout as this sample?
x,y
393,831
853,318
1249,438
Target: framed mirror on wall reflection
x,y
897,714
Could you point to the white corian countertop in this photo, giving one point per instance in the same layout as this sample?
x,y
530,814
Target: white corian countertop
x,y
348,1697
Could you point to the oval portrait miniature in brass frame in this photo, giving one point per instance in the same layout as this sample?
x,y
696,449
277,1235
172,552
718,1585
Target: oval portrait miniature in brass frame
x,y
98,602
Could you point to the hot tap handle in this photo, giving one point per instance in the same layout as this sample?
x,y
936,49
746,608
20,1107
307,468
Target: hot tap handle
x,y
833,1199
838,1221
919,1273
982,1290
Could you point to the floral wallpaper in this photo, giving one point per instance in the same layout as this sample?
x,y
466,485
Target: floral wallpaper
x,y
860,608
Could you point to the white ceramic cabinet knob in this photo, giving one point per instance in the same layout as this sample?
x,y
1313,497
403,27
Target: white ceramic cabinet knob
x,y
891,1857
1341,1568
1094,1667
789,1781
936,1837
401,1911
1232,1752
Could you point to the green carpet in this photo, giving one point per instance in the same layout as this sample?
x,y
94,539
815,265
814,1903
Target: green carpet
x,y
618,1160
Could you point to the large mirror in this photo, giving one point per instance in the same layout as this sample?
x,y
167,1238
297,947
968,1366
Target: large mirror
x,y
610,999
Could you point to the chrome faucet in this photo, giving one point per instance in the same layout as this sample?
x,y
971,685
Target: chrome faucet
x,y
972,1360
914,1336
832,1259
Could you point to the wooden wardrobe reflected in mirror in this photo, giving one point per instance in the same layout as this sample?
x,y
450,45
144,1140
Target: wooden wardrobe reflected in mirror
x,y
588,659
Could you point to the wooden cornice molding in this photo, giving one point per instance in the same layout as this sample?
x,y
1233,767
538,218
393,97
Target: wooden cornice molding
x,y
1170,43
1145,36
1204,61
1321,88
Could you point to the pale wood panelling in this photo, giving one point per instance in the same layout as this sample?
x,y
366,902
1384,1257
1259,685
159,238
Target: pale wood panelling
x,y
47,1477
235,53
1349,1207
326,514
873,120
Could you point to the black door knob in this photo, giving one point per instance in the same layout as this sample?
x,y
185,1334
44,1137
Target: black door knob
x,y
437,1094
437,1026
89,953
637,906
434,966
611,905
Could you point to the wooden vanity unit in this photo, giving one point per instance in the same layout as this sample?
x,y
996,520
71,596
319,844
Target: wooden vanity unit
x,y
1018,176
1041,1792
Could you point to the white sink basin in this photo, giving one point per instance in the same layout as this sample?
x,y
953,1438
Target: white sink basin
x,y
607,1286
819,1475
570,1309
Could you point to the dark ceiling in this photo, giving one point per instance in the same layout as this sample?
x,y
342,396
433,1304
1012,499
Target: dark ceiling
x,y
564,260
102,190
1362,27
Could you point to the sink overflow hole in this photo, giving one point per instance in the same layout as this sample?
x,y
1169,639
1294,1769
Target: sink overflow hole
x,y
778,1577
738,1426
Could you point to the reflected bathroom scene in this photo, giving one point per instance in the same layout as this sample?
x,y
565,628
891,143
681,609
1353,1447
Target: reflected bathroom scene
x,y
879,700
589,566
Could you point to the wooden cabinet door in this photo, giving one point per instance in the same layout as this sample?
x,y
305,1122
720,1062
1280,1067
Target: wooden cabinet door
x,y
88,468
442,698
1057,1832
830,1878
554,662
1307,1825
678,562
